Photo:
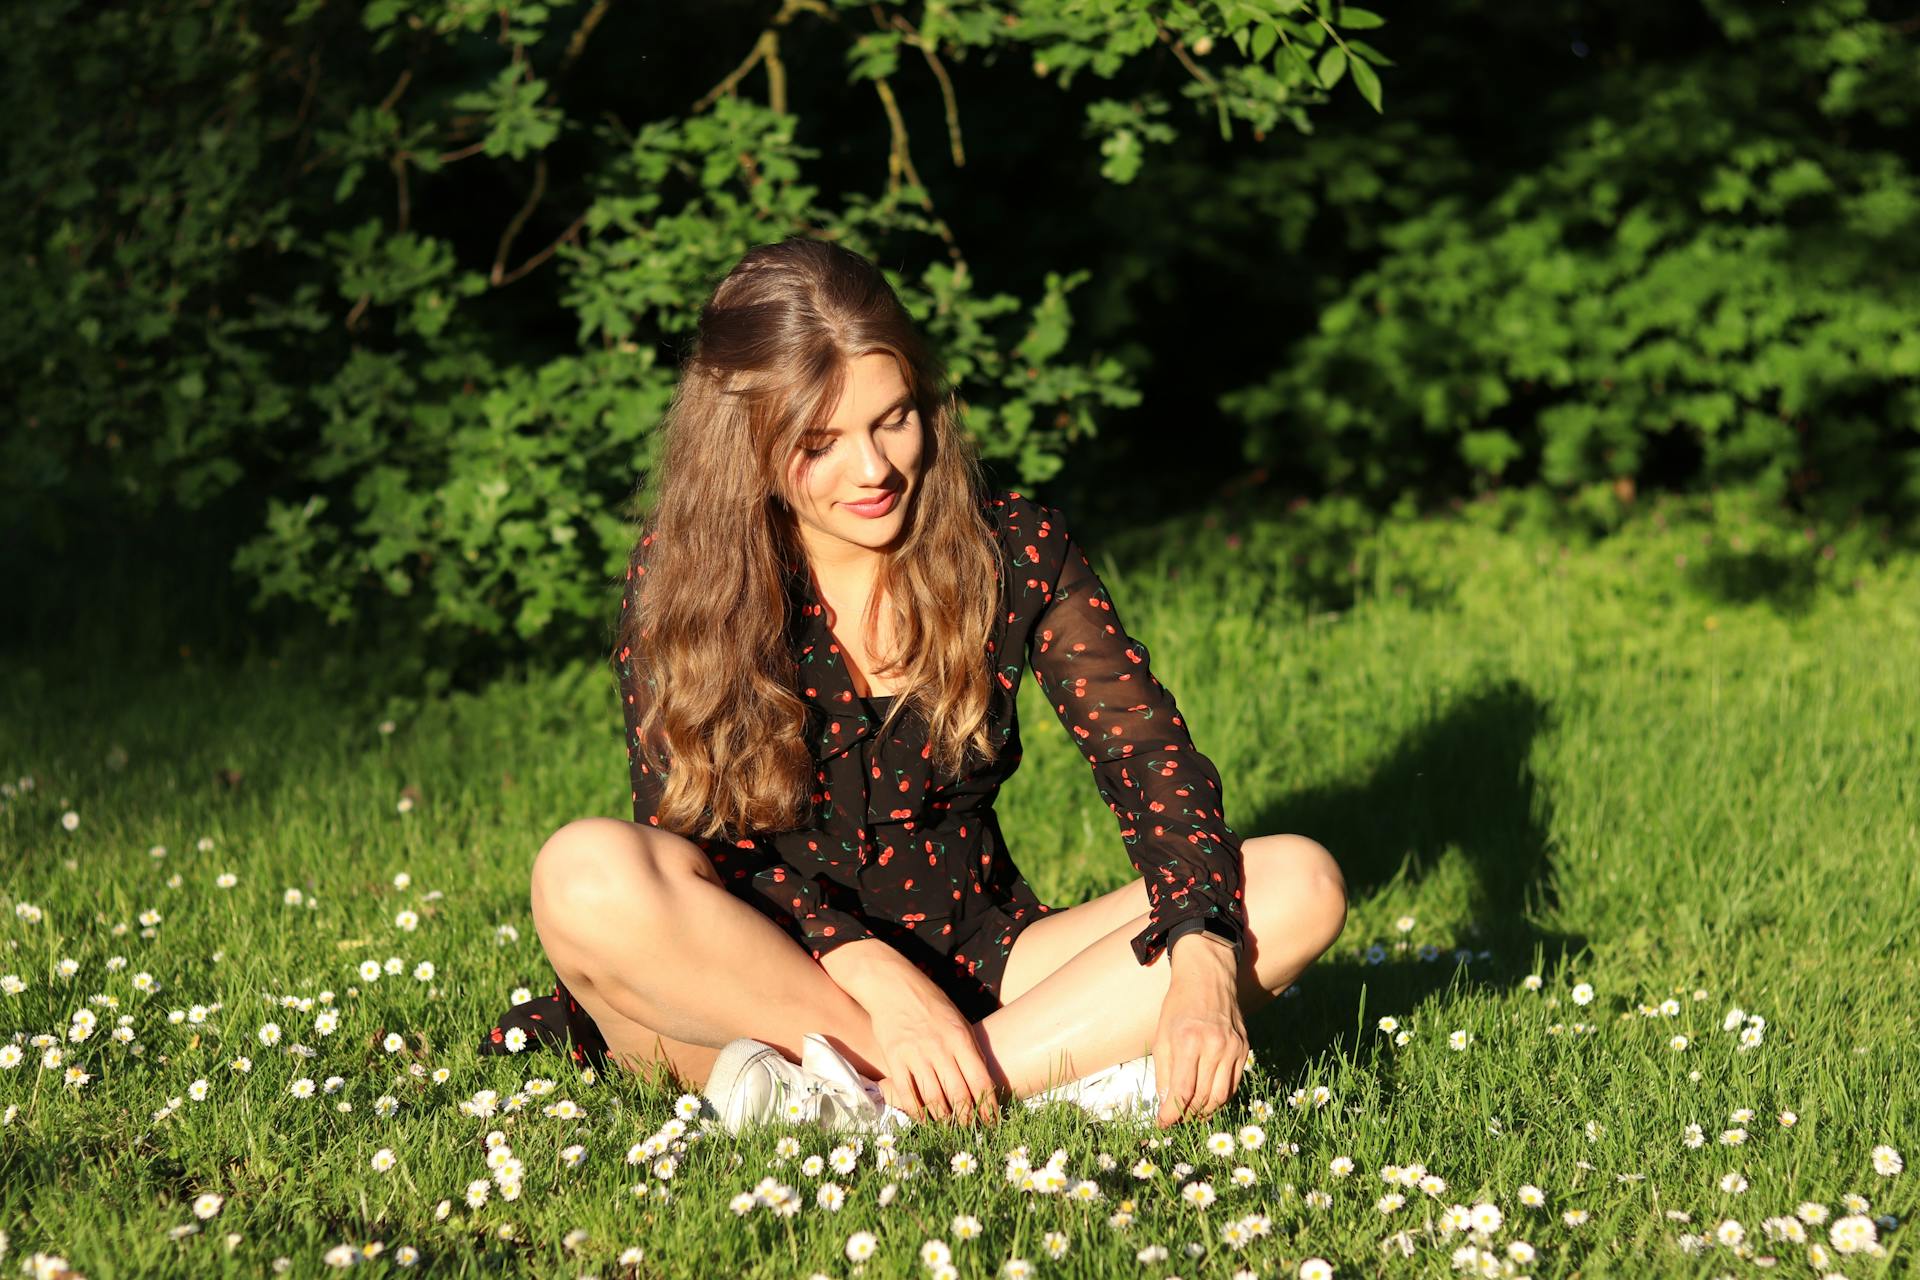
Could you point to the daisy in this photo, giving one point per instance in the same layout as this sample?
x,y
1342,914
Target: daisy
x,y
1485,1217
1575,1217
407,920
1730,1232
963,1163
1733,1184
370,971
1583,993
843,1158
1532,1196
1854,1233
207,1205
935,1253
198,1090
1787,1119
384,1159
1243,1176
424,971
966,1226
1220,1144
1318,1199
1887,1161
477,1191
1389,1202
1733,1137
1457,1040
1678,1043
301,1088
1252,1136
1389,1024
1055,1243
1198,1194
831,1197
1316,1269
1340,1166
1016,1269
860,1245
1694,1137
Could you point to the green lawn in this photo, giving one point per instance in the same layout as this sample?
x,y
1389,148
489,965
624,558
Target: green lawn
x,y
1678,766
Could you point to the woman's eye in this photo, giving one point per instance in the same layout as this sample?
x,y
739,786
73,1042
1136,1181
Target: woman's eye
x,y
889,426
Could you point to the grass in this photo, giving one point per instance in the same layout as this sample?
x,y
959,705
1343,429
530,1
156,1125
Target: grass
x,y
1678,763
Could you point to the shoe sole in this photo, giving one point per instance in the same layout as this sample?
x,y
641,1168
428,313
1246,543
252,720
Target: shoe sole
x,y
736,1058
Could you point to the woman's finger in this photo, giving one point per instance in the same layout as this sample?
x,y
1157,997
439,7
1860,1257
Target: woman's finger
x,y
986,1103
1182,1073
947,1080
1221,1085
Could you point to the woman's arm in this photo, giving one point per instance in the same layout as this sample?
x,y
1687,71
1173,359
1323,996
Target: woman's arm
x,y
1164,793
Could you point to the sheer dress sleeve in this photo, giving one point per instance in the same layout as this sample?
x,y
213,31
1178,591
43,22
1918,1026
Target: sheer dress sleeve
x,y
796,902
1164,793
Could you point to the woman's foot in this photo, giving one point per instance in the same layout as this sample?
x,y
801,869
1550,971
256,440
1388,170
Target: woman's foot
x,y
752,1084
1124,1091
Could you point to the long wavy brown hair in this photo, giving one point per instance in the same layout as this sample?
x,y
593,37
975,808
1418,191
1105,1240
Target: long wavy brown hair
x,y
708,630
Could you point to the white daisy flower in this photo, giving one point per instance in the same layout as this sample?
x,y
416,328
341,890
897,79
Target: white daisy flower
x,y
1854,1233
1583,993
205,1206
1887,1161
860,1245
384,1159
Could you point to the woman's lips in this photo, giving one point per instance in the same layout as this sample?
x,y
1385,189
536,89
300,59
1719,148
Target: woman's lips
x,y
873,510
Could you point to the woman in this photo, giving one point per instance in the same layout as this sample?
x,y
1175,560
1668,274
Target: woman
x,y
822,636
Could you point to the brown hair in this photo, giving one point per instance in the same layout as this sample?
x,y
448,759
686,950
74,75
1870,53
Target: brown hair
x,y
707,630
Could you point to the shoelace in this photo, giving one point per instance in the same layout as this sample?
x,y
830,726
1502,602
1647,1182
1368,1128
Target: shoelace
x,y
815,1095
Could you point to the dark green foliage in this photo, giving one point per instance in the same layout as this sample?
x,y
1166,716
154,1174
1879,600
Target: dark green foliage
x,y
412,276
1700,264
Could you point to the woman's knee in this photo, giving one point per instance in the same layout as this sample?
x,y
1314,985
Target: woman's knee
x,y
1299,890
601,867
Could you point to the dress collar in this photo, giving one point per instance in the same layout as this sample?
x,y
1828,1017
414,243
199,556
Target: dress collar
x,y
841,718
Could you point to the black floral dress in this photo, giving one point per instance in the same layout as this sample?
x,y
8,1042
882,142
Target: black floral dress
x,y
919,861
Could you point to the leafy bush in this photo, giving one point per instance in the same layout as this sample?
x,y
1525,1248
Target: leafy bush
x,y
411,275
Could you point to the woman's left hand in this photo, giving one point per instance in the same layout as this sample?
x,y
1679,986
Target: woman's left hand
x,y
1200,1044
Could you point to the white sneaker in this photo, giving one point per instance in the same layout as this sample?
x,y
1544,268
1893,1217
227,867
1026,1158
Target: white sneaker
x,y
752,1083
1123,1091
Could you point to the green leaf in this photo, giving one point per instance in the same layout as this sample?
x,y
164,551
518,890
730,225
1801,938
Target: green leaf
x,y
1367,81
1264,38
1352,19
1333,65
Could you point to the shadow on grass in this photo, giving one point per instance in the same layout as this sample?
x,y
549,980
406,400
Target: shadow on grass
x,y
1461,781
1787,583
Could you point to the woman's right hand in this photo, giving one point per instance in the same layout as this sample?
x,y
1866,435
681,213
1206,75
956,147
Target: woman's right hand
x,y
930,1056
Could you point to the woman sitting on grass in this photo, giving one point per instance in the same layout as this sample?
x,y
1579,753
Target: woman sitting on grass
x,y
824,628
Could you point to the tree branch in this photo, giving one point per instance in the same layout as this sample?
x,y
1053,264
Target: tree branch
x,y
954,143
498,275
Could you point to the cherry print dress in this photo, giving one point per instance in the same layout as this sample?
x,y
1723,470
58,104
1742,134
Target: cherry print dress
x,y
919,861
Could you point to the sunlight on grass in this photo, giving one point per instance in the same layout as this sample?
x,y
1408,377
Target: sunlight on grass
x,y
1626,982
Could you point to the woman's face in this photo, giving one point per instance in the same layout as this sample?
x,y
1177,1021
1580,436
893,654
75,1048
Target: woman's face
x,y
869,448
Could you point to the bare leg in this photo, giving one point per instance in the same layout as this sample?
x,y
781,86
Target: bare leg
x,y
669,964
1076,1000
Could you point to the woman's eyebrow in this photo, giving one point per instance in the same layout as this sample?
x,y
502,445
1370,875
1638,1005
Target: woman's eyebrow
x,y
904,402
